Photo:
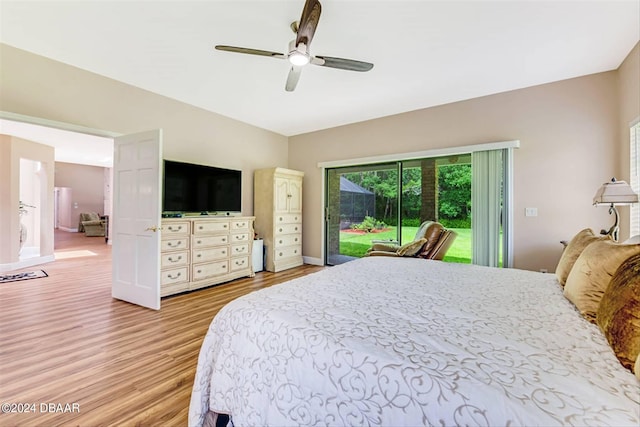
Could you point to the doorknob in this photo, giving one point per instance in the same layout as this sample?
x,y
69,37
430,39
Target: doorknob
x,y
153,228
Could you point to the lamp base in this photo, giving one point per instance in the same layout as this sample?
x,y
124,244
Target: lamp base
x,y
615,229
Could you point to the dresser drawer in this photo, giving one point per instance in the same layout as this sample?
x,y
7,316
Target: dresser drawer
x,y
210,254
175,228
205,227
211,269
173,288
173,244
240,225
175,275
289,251
288,229
174,259
287,240
288,219
238,238
206,241
239,263
242,249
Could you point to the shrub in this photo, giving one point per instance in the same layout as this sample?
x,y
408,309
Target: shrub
x,y
369,224
456,223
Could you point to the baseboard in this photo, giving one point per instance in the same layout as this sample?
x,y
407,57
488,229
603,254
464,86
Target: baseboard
x,y
312,260
70,230
28,262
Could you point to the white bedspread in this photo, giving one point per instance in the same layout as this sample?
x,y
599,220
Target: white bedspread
x,y
408,342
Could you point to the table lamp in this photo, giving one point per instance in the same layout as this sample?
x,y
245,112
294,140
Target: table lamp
x,y
614,193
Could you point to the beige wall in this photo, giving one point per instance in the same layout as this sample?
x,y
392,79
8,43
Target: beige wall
x,y
87,185
36,86
629,94
567,130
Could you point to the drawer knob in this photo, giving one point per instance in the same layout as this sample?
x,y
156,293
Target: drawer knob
x,y
224,239
296,228
200,227
280,253
199,256
281,218
172,244
224,226
175,260
224,252
280,241
295,251
296,239
199,271
174,277
280,230
199,241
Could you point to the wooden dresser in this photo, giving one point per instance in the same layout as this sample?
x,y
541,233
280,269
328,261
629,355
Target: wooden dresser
x,y
197,252
277,206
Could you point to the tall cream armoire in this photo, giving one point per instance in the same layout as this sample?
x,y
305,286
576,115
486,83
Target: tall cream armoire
x,y
277,206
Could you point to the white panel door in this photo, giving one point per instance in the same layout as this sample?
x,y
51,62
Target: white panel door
x,y
136,218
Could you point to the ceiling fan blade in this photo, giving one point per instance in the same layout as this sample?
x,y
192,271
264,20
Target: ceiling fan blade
x,y
341,63
292,78
308,22
250,51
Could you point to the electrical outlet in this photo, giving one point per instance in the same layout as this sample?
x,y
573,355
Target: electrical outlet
x,y
530,211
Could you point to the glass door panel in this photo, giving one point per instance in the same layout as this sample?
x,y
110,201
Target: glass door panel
x,y
362,206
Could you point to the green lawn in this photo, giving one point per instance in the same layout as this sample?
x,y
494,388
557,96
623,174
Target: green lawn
x,y
357,244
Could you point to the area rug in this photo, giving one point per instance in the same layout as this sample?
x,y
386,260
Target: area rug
x,y
5,278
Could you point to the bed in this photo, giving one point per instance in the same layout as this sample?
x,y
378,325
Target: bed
x,y
407,342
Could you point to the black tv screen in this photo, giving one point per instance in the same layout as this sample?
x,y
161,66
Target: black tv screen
x,y
197,188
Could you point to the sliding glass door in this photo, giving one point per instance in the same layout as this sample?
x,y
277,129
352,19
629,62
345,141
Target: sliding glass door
x,y
361,206
389,202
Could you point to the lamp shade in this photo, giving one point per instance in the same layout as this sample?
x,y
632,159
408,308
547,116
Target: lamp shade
x,y
618,192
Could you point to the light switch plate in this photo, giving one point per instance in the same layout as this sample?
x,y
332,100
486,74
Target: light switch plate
x,y
531,212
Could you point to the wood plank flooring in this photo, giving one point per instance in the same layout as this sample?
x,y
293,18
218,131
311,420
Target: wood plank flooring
x,y
64,340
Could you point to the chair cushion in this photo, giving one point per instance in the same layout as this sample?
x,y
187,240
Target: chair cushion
x,y
432,234
573,251
619,313
411,248
592,273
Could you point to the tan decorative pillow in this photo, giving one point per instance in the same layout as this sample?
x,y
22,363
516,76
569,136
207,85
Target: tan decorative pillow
x,y
619,313
592,273
573,251
411,248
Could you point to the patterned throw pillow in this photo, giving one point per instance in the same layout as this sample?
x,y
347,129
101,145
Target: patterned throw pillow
x,y
573,251
619,313
411,248
592,273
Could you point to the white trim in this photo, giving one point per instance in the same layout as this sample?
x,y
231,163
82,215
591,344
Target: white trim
x,y
438,152
7,115
70,230
312,260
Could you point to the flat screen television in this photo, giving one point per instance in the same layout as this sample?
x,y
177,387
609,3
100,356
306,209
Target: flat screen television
x,y
190,188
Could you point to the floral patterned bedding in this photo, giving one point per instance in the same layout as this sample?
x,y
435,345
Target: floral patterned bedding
x,y
388,341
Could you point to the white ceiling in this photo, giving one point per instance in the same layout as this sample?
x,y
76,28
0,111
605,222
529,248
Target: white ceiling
x,y
70,147
426,53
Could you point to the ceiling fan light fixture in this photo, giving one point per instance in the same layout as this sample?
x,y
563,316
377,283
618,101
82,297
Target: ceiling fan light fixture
x,y
299,58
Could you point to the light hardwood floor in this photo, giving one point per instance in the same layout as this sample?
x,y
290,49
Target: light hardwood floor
x,y
64,340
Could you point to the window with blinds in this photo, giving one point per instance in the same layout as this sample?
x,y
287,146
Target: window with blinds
x,y
635,176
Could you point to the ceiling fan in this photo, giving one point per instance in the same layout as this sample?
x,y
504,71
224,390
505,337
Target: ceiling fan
x,y
299,54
